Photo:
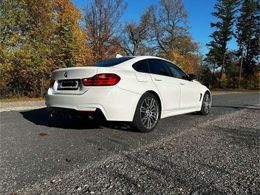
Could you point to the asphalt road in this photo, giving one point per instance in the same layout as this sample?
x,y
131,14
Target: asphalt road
x,y
187,154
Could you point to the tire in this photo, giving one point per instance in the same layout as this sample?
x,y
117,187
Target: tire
x,y
147,113
206,104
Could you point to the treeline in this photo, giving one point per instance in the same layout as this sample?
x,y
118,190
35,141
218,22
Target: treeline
x,y
40,36
225,68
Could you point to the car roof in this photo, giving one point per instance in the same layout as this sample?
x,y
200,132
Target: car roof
x,y
128,64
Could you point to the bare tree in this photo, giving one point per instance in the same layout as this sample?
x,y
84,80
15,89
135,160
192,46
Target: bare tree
x,y
102,24
169,23
135,39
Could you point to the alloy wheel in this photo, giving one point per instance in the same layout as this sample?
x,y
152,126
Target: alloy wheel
x,y
149,112
206,103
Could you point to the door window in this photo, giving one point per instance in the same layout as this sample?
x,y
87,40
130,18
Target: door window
x,y
176,71
158,67
141,66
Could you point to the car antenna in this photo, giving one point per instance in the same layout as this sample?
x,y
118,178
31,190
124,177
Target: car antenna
x,y
118,56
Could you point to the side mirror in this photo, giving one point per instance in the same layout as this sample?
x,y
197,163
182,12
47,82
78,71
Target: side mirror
x,y
192,77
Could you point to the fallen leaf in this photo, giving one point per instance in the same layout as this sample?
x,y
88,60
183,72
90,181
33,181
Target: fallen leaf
x,y
43,134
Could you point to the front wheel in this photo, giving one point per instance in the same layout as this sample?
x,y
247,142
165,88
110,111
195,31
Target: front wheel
x,y
206,104
147,113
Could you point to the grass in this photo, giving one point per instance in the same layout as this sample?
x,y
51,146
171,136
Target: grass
x,y
21,99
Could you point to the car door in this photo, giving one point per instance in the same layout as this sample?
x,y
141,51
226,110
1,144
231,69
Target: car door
x,y
190,93
167,86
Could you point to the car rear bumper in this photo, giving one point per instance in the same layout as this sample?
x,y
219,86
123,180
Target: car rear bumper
x,y
116,104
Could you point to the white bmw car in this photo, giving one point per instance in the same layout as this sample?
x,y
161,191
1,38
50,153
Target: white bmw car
x,y
140,90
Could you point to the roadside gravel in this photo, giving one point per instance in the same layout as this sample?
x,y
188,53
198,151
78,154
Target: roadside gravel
x,y
215,157
16,106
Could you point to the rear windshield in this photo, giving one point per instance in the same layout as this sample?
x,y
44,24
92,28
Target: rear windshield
x,y
112,62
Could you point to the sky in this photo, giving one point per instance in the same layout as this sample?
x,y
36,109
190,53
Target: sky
x,y
199,17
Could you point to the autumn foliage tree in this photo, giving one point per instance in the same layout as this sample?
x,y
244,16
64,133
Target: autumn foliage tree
x,y
186,54
37,37
69,47
25,54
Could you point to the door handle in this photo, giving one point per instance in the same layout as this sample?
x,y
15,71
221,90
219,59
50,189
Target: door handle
x,y
157,79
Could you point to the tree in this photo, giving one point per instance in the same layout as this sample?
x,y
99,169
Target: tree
x,y
135,39
247,35
37,37
225,13
168,23
169,35
102,26
186,54
69,41
206,76
24,51
232,69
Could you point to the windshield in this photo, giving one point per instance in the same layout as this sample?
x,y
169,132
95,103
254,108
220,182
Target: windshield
x,y
112,62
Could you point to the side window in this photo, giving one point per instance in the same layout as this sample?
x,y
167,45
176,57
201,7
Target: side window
x,y
176,71
141,66
158,67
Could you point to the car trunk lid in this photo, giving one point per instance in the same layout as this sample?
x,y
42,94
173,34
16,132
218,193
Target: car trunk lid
x,y
69,80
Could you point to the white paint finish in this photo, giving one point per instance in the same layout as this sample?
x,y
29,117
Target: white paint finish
x,y
118,103
142,77
190,93
115,103
169,91
74,73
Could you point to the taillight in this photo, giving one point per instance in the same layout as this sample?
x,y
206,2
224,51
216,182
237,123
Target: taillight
x,y
105,79
51,83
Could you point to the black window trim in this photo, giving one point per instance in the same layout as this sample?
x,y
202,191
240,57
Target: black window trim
x,y
109,61
177,67
167,66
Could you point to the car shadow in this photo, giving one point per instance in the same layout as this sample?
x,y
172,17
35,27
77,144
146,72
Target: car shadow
x,y
41,117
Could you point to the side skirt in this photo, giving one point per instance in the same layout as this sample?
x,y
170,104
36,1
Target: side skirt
x,y
166,114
